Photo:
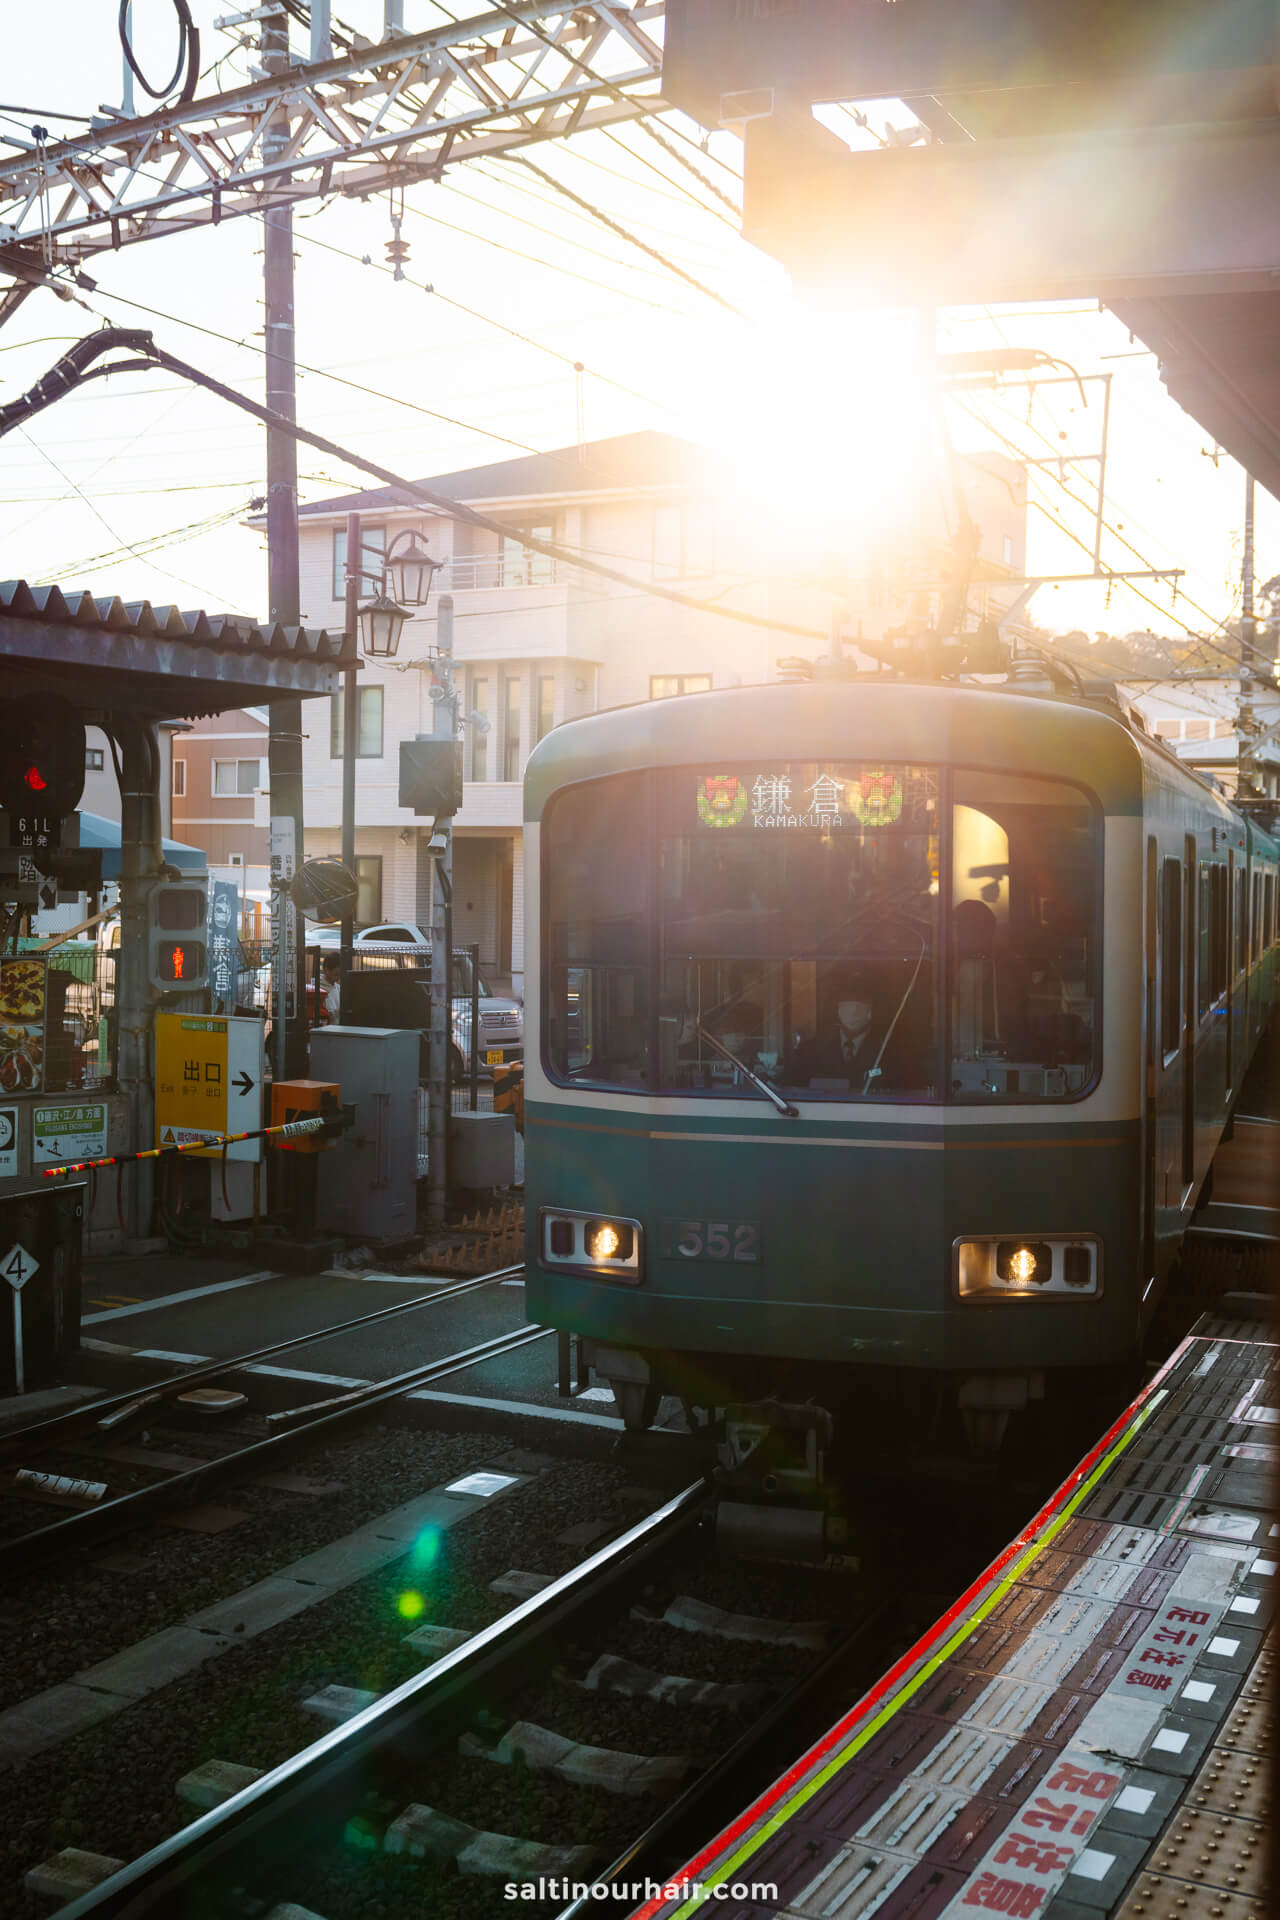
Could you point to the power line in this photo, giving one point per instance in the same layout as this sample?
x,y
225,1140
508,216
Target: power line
x,y
614,226
125,545
538,260
149,544
77,366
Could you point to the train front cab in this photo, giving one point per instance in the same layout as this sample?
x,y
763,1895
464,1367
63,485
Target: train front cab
x,y
987,1221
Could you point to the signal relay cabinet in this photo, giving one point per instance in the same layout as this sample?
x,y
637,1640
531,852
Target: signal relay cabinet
x,y
41,1235
367,1184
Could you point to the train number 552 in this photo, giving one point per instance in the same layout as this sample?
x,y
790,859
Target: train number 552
x,y
711,1239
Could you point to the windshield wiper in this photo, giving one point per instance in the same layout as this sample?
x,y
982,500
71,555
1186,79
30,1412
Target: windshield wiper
x,y
761,1085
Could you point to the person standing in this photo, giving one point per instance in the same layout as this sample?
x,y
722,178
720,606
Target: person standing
x,y
331,982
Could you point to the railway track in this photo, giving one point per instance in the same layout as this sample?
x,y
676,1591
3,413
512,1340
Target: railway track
x,y
387,1793
72,1459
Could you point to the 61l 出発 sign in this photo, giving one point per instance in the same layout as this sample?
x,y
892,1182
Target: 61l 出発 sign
x,y
208,1081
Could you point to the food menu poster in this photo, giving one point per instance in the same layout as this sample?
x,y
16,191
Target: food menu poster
x,y
22,1008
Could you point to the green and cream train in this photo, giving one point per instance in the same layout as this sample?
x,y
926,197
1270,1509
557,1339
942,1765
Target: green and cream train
x,y
881,1035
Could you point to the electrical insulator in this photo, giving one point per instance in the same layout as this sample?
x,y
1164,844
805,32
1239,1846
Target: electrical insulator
x,y
397,249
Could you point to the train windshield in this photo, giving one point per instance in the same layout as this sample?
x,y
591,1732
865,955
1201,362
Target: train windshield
x,y
845,930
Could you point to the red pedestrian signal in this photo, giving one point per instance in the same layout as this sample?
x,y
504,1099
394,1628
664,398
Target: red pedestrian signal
x,y
178,952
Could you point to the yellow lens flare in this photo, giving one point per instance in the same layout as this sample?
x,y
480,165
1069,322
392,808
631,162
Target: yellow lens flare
x,y
410,1605
1023,1264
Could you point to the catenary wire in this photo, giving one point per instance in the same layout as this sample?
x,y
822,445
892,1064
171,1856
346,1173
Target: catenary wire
x,y
125,545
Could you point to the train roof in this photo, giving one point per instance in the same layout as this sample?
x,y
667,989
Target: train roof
x,y
1007,727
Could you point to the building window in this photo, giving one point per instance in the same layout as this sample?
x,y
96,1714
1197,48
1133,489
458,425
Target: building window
x,y
235,859
368,730
179,776
479,741
93,760
368,888
1168,729
373,545
664,686
1006,549
233,776
511,731
682,542
546,707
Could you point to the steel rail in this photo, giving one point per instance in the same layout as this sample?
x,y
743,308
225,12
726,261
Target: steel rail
x,y
81,1530
42,1432
755,1756
298,1803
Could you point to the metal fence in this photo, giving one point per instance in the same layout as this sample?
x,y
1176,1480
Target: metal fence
x,y
80,1018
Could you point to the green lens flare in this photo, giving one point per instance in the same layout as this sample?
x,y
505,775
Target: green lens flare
x,y
426,1549
409,1605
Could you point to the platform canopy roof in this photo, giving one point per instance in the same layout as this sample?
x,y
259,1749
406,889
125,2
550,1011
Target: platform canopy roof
x,y
156,662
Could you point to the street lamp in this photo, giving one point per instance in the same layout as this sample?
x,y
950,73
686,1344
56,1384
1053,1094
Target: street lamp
x,y
378,623
412,572
381,623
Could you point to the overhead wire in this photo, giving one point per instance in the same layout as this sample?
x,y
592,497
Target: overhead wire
x,y
472,313
149,544
615,226
1201,639
126,546
1116,533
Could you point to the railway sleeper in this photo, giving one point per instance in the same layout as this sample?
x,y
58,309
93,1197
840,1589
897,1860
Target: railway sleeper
x,y
542,1751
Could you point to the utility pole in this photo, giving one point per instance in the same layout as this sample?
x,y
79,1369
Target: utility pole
x,y
1246,754
285,739
441,1032
350,735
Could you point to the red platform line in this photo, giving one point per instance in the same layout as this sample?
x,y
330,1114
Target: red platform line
x,y
1073,1487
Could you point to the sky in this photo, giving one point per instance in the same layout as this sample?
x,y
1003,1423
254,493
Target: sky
x,y
139,486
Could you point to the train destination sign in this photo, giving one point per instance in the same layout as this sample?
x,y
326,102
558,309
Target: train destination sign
x,y
809,797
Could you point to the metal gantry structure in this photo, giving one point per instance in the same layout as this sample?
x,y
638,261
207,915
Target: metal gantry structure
x,y
372,118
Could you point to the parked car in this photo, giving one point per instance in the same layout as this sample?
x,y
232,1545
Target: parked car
x,y
403,933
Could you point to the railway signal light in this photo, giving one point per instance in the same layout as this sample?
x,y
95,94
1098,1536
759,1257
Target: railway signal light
x,y
431,776
42,771
177,954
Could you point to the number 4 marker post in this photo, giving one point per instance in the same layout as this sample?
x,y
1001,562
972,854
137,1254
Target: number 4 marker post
x,y
17,1267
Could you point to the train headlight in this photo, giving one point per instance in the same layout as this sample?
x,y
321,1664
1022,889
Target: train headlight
x,y
609,1246
608,1240
1000,1267
1024,1262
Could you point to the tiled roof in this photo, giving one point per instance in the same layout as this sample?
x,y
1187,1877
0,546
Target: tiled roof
x,y
222,632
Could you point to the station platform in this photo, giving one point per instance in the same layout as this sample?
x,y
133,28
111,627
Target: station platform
x,y
1088,1730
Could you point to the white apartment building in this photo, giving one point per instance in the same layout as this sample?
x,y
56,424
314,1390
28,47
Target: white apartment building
x,y
538,642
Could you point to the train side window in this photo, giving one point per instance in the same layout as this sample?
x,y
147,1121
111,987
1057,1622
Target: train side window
x,y
1241,956
1255,946
1170,958
1204,926
1269,908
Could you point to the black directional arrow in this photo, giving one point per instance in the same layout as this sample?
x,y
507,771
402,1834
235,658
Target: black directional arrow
x,y
242,1082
